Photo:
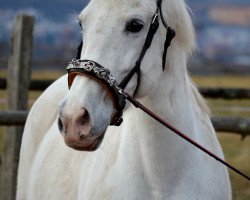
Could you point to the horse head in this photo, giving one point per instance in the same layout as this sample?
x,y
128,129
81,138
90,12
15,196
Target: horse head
x,y
114,34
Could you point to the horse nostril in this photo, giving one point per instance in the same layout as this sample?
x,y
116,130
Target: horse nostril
x,y
84,118
77,126
60,124
83,124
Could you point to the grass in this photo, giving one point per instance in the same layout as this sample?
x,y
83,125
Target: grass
x,y
237,152
231,81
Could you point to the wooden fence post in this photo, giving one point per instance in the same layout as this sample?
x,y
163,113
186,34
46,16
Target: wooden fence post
x,y
19,68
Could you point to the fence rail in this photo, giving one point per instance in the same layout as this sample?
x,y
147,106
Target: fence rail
x,y
13,118
236,125
224,93
36,85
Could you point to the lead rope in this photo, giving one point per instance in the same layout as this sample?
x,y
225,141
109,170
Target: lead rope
x,y
137,104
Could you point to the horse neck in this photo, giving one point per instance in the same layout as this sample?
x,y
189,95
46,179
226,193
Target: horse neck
x,y
146,143
172,99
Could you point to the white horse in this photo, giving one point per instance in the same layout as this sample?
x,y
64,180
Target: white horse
x,y
140,159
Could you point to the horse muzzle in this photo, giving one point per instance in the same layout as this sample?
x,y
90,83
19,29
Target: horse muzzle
x,y
92,104
77,132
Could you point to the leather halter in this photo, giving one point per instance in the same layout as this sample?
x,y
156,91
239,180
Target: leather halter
x,y
102,75
99,73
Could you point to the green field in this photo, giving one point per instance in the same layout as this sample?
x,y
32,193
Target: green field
x,y
237,152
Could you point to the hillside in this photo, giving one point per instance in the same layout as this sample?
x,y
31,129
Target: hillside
x,y
233,15
56,20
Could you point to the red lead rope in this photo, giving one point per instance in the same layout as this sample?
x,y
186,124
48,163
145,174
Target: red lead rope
x,y
137,104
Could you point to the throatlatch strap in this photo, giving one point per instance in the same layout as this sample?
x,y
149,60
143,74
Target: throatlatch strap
x,y
79,51
138,81
169,37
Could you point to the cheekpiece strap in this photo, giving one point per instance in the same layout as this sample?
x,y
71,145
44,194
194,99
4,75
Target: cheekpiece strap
x,y
149,38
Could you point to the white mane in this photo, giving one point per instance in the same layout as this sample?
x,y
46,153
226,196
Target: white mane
x,y
176,13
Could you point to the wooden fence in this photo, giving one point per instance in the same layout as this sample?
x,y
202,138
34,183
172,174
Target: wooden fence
x,y
19,68
18,84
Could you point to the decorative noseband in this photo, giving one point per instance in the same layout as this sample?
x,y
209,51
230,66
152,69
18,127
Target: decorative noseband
x,y
100,74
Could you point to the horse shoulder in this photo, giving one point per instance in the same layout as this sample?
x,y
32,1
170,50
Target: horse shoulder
x,y
41,117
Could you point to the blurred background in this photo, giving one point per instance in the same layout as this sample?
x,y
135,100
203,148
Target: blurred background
x,y
223,33
222,60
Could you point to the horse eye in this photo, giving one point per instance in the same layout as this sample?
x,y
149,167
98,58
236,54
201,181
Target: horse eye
x,y
134,25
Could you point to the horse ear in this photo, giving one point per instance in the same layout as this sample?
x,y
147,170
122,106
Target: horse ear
x,y
79,51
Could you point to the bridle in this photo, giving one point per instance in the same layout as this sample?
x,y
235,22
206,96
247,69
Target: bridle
x,y
102,75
